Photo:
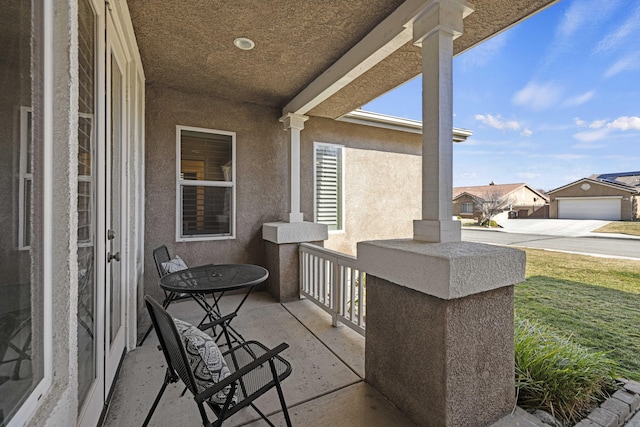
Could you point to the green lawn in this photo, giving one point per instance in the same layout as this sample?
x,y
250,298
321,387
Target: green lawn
x,y
595,300
621,227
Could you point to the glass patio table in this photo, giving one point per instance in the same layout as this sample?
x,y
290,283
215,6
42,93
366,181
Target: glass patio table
x,y
215,280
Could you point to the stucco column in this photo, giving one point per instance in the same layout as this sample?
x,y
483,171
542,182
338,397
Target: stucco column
x,y
440,328
434,30
294,123
282,238
440,311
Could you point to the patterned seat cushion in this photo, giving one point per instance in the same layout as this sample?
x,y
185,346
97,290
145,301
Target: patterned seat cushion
x,y
205,359
176,264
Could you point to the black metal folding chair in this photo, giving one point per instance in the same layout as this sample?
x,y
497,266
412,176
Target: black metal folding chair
x,y
255,369
161,255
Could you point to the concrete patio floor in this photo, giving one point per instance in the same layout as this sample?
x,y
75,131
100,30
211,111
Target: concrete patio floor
x,y
325,388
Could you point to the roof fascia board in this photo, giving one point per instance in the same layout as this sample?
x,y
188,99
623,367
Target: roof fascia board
x,y
538,193
593,181
588,197
387,37
464,193
369,118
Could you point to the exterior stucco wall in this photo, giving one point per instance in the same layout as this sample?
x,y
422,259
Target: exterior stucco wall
x,y
595,191
526,201
526,197
382,180
470,383
59,405
261,178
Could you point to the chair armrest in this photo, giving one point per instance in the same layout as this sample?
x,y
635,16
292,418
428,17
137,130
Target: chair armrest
x,y
241,372
223,321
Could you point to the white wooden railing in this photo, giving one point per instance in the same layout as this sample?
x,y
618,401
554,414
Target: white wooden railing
x,y
333,281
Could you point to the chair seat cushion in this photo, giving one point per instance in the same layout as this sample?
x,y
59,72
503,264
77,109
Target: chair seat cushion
x,y
205,360
173,265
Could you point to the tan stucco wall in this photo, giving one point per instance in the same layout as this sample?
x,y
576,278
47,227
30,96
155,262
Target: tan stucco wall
x,y
477,333
261,176
527,200
382,180
526,197
596,190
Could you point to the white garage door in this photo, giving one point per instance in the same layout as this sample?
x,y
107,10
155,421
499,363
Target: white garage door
x,y
608,209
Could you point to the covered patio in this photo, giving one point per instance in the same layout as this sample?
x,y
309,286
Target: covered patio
x,y
327,386
195,125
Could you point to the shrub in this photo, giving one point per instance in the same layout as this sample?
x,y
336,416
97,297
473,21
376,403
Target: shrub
x,y
485,223
557,375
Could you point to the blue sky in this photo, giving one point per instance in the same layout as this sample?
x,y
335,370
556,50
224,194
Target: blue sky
x,y
550,101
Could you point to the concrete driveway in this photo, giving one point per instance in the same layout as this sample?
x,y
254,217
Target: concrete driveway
x,y
552,227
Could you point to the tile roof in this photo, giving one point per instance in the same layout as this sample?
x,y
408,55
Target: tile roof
x,y
481,190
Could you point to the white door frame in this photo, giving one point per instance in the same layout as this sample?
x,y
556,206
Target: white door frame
x,y
116,50
91,411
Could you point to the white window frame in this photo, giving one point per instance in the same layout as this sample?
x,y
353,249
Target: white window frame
x,y
341,211
226,184
463,205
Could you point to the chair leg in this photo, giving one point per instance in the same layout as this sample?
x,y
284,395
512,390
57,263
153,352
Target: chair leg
x,y
203,414
167,380
285,411
146,334
264,417
165,304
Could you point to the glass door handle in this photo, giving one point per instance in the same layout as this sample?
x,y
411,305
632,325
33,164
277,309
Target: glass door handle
x,y
115,256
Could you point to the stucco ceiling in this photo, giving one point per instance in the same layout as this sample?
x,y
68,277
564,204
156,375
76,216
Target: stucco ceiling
x,y
188,45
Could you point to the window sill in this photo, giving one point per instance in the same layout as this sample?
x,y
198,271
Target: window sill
x,y
204,238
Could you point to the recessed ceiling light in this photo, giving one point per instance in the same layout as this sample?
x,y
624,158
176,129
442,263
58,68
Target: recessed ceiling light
x,y
244,43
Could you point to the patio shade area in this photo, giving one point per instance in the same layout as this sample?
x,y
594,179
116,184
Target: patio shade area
x,y
325,388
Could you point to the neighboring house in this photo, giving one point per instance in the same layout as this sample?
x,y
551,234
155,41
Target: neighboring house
x,y
130,124
612,196
527,202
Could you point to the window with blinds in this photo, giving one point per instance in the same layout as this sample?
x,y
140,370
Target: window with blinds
x,y
206,184
328,185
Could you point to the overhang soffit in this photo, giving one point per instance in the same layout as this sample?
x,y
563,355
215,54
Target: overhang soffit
x,y
189,46
489,18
